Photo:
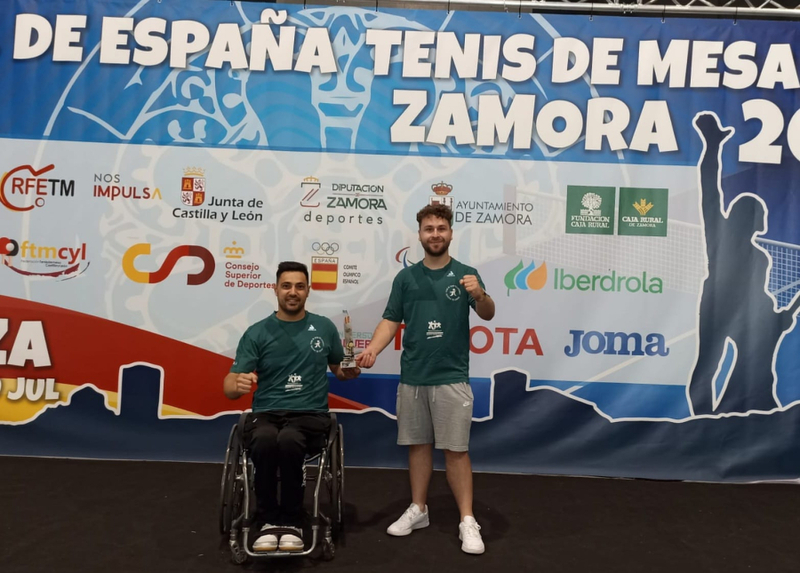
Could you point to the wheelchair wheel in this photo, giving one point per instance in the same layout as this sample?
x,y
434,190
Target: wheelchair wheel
x,y
228,485
337,481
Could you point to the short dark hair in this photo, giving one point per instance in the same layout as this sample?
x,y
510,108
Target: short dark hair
x,y
290,267
437,210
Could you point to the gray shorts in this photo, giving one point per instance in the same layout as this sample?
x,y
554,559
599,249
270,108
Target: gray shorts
x,y
439,415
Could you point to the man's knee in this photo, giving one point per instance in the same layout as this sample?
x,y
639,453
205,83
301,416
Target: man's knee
x,y
456,456
263,440
291,442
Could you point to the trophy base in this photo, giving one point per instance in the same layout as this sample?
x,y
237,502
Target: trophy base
x,y
348,363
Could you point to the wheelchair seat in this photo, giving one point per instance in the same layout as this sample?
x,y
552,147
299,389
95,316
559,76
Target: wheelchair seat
x,y
324,468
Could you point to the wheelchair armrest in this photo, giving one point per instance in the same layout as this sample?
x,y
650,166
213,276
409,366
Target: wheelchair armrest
x,y
242,420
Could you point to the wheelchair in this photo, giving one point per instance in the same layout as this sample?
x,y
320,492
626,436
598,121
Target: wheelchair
x,y
325,469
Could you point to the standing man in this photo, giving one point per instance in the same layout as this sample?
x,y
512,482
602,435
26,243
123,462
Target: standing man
x,y
434,398
287,356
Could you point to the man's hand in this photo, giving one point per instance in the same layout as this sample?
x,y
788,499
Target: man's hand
x,y
350,373
367,358
473,287
244,382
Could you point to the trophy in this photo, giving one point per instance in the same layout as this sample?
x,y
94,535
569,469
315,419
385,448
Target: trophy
x,y
349,360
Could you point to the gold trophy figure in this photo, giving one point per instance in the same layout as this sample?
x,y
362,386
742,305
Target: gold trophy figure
x,y
349,360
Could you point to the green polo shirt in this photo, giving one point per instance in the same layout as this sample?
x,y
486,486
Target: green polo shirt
x,y
291,360
435,308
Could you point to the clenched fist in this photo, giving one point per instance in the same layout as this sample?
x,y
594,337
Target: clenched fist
x,y
473,287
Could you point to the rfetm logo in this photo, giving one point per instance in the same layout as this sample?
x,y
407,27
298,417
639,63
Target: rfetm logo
x,y
142,249
526,278
15,183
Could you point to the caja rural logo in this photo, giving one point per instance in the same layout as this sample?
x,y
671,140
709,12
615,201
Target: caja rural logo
x,y
176,254
23,188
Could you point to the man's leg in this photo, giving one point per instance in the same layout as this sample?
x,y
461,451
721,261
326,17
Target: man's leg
x,y
420,468
414,429
262,435
302,433
459,476
452,419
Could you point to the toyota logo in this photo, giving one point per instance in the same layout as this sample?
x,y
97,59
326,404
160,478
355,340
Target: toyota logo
x,y
326,248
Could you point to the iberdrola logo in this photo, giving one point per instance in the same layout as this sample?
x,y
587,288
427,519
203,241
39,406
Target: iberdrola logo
x,y
530,277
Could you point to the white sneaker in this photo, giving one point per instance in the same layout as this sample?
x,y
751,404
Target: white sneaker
x,y
411,519
469,532
267,542
291,542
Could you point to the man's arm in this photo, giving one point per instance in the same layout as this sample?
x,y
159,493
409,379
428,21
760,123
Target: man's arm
x,y
383,335
484,305
237,384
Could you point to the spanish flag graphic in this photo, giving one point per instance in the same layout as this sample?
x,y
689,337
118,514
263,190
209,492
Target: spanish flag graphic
x,y
324,273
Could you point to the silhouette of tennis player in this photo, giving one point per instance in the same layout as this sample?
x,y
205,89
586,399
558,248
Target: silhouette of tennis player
x,y
735,302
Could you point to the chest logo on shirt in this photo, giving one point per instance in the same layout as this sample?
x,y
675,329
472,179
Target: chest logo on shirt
x,y
434,329
453,292
317,344
294,383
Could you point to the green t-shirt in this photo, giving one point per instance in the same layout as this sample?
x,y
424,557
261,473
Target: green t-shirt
x,y
435,308
291,360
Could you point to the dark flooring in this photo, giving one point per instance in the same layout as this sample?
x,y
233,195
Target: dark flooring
x,y
149,517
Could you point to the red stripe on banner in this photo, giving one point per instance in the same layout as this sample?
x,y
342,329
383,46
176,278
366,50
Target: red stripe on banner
x,y
324,267
323,286
85,349
338,403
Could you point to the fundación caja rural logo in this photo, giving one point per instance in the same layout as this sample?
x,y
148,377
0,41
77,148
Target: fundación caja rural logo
x,y
642,211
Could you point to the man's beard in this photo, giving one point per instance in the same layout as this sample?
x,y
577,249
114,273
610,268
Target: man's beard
x,y
291,311
436,250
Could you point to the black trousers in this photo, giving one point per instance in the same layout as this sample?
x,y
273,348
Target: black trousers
x,y
280,440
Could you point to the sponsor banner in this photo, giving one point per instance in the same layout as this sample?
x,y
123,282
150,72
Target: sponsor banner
x,y
633,224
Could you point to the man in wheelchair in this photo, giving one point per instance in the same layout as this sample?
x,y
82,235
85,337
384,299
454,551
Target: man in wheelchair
x,y
286,356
